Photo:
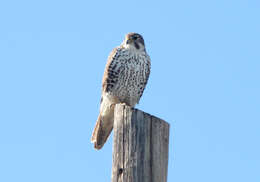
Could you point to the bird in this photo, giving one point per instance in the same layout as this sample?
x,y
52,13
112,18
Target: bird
x,y
125,78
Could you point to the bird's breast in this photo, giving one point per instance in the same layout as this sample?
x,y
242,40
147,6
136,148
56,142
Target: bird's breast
x,y
131,79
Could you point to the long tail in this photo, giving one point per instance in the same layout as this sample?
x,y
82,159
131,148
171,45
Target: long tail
x,y
103,128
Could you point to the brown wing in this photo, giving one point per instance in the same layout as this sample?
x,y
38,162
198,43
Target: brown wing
x,y
112,70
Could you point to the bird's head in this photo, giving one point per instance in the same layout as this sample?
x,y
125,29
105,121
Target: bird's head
x,y
134,41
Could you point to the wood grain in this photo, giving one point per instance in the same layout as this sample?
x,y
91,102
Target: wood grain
x,y
140,146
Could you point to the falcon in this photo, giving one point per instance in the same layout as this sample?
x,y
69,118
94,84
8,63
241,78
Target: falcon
x,y
125,77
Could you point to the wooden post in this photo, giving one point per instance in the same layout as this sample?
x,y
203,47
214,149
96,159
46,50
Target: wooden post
x,y
140,146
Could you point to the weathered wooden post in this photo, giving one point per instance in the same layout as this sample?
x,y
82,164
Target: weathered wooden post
x,y
140,146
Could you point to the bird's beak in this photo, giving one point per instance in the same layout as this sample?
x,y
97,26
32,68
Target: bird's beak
x,y
129,41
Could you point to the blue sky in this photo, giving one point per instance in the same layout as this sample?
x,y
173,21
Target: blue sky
x,y
205,82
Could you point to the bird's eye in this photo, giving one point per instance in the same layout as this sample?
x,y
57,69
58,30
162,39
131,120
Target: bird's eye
x,y
135,38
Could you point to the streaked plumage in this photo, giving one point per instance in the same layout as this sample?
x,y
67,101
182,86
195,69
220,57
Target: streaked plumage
x,y
125,77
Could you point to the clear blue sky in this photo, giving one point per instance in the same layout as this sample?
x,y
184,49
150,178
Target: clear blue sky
x,y
205,82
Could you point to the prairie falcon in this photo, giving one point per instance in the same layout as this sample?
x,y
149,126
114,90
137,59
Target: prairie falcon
x,y
125,77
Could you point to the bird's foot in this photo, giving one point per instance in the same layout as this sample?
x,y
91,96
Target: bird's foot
x,y
123,103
